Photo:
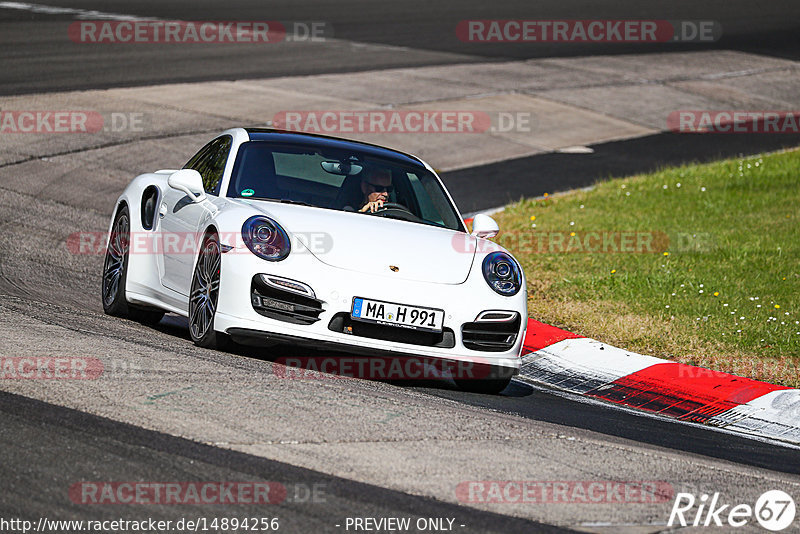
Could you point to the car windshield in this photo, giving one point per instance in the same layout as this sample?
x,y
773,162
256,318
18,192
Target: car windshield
x,y
340,180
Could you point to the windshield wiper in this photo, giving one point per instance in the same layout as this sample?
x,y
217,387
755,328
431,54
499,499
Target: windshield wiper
x,y
298,202
281,200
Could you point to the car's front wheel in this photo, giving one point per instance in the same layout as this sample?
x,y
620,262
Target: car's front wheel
x,y
115,274
204,295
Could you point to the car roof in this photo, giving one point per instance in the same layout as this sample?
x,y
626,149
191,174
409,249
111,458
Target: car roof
x,y
327,142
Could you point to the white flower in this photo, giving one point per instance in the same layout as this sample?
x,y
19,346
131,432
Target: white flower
x,y
701,285
726,305
701,291
678,184
665,186
667,306
702,189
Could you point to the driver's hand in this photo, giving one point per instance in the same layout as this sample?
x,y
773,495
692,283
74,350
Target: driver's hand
x,y
372,206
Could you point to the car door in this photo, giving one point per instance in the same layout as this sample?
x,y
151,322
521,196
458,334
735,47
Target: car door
x,y
181,217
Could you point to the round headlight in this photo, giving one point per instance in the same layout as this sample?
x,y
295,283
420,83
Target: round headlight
x,y
502,269
265,238
502,273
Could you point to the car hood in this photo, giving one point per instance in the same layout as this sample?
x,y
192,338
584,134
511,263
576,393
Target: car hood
x,y
376,245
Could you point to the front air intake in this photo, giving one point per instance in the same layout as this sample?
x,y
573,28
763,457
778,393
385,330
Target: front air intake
x,y
287,305
492,331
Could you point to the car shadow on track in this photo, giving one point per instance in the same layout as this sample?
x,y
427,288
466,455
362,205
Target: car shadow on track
x,y
302,362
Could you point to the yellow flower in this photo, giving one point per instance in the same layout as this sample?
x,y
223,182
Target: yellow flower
x,y
666,254
533,217
716,293
546,195
777,306
572,234
613,271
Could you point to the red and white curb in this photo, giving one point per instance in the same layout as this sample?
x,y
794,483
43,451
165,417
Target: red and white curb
x,y
580,365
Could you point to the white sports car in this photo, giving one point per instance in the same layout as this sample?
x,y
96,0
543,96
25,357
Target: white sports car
x,y
269,237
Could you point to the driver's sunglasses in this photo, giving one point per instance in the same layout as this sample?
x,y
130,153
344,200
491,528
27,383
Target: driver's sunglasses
x,y
381,188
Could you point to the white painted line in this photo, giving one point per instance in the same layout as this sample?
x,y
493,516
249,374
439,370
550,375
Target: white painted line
x,y
576,150
83,14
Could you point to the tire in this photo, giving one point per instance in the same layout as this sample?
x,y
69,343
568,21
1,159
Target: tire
x,y
488,386
115,274
115,266
204,296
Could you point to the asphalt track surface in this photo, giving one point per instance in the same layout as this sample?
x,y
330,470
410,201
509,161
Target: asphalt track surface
x,y
50,301
37,56
85,447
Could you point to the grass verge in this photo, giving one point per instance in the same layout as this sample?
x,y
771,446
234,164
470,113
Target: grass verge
x,y
699,264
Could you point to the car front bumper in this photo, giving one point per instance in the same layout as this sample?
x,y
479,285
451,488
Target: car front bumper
x,y
335,289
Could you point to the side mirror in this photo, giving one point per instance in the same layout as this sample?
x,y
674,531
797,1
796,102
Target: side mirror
x,y
190,182
484,226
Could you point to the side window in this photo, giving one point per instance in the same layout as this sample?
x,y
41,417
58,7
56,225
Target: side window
x,y
210,163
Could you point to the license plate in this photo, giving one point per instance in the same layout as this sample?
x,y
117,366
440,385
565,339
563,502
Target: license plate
x,y
401,315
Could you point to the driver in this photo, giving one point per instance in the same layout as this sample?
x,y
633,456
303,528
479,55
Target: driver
x,y
376,184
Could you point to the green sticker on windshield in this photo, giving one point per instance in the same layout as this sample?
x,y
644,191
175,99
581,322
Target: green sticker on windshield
x,y
248,193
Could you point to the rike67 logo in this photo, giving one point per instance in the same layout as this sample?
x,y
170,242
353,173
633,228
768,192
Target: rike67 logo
x,y
774,510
